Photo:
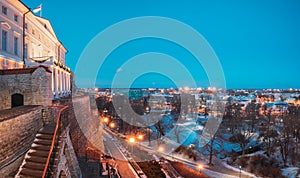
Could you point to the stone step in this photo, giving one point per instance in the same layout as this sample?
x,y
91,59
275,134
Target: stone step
x,y
33,165
41,147
39,153
23,176
44,136
42,142
31,173
36,159
47,130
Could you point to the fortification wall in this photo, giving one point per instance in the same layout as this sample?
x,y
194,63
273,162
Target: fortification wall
x,y
85,129
18,128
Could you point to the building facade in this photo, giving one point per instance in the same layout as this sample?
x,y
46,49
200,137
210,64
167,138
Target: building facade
x,y
27,40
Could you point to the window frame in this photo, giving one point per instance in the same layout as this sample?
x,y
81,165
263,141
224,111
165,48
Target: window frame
x,y
16,18
4,47
4,10
16,45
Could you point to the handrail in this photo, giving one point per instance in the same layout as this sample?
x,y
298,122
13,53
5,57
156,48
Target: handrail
x,y
62,108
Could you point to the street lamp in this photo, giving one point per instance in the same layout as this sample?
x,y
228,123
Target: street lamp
x,y
172,152
106,120
161,149
240,171
200,167
132,141
147,112
112,125
140,137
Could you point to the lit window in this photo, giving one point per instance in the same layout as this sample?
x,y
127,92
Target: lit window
x,y
4,40
4,10
16,39
16,18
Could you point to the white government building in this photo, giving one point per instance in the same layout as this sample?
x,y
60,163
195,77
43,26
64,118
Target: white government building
x,y
28,40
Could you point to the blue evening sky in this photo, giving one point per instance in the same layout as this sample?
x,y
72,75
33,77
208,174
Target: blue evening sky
x,y
256,41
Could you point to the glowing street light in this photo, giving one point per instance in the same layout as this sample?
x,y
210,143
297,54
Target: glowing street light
x,y
106,119
112,125
132,140
161,149
200,167
140,137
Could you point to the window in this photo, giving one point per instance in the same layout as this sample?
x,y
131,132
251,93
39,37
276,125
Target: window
x,y
16,39
26,51
4,40
16,18
25,26
4,10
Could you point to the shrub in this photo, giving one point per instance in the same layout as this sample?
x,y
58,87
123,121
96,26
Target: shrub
x,y
243,161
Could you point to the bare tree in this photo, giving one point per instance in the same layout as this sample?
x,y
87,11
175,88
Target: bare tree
x,y
270,139
251,114
242,136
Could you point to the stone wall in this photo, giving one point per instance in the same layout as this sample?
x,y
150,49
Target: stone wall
x,y
17,133
34,84
85,130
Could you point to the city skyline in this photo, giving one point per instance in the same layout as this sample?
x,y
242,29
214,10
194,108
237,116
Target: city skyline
x,y
256,43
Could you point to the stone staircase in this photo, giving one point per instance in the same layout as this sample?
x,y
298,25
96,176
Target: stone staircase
x,y
36,158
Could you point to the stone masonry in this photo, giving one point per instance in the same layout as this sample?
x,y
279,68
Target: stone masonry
x,y
18,127
33,83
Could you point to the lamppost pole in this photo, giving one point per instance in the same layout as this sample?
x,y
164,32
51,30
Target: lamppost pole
x,y
149,133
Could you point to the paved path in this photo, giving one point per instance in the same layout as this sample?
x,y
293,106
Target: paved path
x,y
123,166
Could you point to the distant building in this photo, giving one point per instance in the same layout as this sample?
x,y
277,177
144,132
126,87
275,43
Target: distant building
x,y
27,41
135,94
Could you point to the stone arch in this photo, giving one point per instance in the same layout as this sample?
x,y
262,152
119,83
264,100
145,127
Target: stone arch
x,y
17,99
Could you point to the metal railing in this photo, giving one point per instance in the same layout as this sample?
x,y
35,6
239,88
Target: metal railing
x,y
54,139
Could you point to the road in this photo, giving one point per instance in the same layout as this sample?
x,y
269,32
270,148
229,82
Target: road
x,y
219,170
123,166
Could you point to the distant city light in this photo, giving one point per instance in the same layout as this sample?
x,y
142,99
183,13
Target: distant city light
x,y
186,88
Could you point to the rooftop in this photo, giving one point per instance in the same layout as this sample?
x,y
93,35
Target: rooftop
x,y
22,70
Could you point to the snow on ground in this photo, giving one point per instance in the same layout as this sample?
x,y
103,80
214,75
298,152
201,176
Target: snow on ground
x,y
237,170
216,174
189,134
290,172
210,173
